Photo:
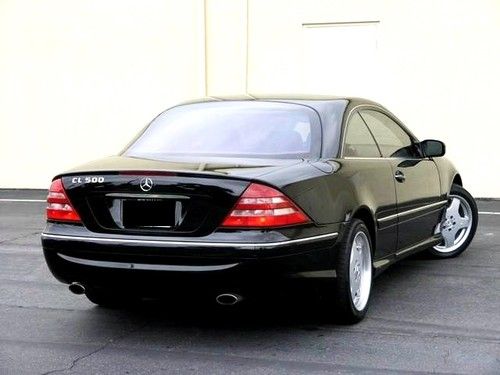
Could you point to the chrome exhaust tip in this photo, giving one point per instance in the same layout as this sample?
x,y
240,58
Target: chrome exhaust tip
x,y
76,288
228,299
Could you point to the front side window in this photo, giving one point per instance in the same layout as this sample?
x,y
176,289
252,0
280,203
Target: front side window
x,y
237,129
358,140
392,140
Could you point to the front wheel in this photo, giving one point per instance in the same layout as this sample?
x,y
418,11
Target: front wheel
x,y
354,273
458,225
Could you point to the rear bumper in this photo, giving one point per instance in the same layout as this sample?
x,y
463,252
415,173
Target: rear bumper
x,y
228,260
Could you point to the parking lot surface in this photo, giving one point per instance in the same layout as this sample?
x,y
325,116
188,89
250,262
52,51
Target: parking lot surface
x,y
440,316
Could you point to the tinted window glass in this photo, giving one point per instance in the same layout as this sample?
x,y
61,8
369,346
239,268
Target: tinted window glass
x,y
231,129
392,140
358,140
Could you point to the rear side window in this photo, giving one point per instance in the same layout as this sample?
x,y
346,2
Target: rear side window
x,y
358,140
237,129
392,140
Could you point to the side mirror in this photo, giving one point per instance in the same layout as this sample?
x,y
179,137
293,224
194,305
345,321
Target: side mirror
x,y
432,148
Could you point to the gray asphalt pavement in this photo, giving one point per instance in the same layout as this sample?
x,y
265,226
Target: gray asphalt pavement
x,y
426,315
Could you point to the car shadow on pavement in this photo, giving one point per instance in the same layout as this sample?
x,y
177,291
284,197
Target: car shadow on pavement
x,y
251,314
305,309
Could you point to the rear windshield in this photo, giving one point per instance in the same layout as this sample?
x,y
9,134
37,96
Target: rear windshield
x,y
231,129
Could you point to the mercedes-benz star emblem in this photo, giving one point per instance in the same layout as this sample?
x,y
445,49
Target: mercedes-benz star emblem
x,y
146,184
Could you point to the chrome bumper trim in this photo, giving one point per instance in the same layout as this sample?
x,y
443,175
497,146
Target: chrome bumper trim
x,y
146,266
189,243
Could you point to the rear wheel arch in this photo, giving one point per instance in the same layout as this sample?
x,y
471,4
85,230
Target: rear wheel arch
x,y
364,214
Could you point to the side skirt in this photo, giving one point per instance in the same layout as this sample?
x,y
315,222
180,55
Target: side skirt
x,y
380,265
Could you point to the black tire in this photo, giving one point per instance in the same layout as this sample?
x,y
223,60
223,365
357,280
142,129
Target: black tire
x,y
346,311
461,192
109,298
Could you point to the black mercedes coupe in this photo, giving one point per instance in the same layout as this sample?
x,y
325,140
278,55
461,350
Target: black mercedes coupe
x,y
240,197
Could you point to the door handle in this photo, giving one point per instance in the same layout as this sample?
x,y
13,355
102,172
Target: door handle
x,y
399,176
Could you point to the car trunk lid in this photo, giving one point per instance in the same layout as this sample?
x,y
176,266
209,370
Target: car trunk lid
x,y
182,200
156,204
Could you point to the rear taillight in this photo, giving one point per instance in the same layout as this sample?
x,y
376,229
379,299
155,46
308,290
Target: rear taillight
x,y
59,207
261,206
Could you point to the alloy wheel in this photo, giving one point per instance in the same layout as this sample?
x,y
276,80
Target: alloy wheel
x,y
456,225
360,271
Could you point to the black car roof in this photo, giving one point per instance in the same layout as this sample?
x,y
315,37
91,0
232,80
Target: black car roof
x,y
292,98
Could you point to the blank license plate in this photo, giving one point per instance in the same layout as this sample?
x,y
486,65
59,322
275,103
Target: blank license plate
x,y
148,213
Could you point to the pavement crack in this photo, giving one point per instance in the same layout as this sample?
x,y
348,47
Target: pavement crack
x,y
78,359
99,349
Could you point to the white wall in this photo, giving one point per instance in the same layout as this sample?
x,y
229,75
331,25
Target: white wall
x,y
438,67
79,78
226,36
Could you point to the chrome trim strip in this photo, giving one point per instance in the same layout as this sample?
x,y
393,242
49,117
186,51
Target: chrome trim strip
x,y
145,266
192,243
413,210
387,218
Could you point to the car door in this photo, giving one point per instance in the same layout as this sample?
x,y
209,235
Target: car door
x,y
371,176
416,179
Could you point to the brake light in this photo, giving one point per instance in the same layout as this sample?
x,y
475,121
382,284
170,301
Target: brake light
x,y
261,206
59,207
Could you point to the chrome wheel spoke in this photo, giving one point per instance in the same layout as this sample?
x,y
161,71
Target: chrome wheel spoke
x,y
449,237
454,210
463,222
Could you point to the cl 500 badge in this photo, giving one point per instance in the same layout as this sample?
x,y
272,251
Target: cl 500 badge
x,y
87,180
